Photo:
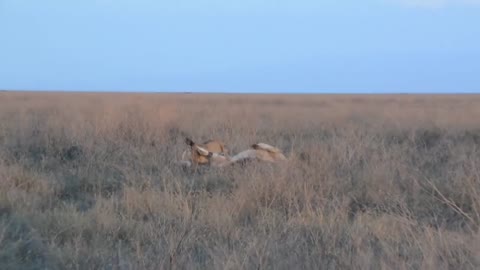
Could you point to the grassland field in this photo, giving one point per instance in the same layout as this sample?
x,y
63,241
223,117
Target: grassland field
x,y
89,181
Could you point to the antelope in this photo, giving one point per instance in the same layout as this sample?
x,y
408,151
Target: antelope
x,y
258,151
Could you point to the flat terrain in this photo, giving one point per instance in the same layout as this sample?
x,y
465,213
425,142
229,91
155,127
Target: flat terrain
x,y
88,181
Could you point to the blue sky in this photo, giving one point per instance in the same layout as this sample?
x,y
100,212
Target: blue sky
x,y
241,46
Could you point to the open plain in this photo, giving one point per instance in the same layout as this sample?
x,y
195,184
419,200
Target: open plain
x,y
89,181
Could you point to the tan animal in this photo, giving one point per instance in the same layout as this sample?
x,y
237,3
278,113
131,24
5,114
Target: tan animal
x,y
266,152
213,146
258,151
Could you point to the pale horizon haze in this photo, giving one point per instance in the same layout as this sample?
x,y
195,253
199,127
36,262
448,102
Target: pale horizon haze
x,y
343,46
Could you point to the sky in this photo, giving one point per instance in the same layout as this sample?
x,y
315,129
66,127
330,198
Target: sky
x,y
294,46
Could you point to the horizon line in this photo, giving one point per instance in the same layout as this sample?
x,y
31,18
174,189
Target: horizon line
x,y
249,92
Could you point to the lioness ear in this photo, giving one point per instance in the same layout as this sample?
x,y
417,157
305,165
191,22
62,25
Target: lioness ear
x,y
189,141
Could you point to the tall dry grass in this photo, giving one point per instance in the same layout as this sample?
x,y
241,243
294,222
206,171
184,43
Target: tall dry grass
x,y
88,181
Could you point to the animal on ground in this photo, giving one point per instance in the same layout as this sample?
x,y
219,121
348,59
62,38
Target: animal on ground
x,y
259,152
196,159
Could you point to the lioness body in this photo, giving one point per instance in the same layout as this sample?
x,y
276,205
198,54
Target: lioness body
x,y
259,151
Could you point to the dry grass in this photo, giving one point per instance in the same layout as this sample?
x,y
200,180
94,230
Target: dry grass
x,y
375,182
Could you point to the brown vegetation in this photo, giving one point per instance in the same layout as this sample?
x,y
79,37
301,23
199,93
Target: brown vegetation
x,y
88,181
